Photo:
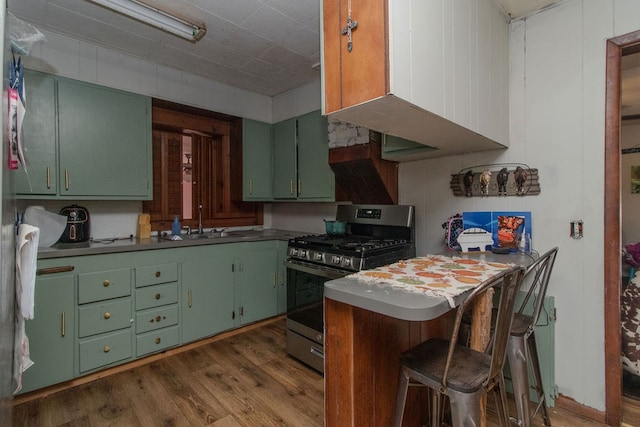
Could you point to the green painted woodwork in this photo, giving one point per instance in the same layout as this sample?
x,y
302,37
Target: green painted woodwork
x,y
154,341
396,148
208,286
282,277
258,281
156,318
155,296
102,285
285,165
315,177
39,137
257,167
105,141
95,142
102,350
156,274
104,316
51,332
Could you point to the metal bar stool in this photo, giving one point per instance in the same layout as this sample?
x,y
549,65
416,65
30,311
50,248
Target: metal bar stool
x,y
456,371
522,348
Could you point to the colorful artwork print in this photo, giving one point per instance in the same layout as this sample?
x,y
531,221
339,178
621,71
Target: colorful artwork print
x,y
506,227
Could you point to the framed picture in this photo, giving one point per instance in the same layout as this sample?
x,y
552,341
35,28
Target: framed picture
x,y
506,227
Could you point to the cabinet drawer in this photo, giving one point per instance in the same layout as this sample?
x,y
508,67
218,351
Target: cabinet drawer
x,y
104,317
156,318
156,296
154,274
103,285
103,350
157,340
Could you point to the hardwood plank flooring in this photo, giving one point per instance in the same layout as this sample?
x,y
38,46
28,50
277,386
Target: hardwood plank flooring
x,y
244,380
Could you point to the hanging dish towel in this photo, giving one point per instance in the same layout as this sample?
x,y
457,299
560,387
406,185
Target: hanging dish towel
x,y
26,262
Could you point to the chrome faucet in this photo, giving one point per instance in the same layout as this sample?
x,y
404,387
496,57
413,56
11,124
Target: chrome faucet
x,y
200,229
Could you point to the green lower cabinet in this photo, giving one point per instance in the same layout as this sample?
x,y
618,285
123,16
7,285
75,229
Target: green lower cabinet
x,y
51,333
208,286
282,277
106,349
258,282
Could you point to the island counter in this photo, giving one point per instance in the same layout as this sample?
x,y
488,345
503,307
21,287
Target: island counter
x,y
367,326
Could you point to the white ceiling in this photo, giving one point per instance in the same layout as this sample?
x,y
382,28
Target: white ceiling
x,y
265,46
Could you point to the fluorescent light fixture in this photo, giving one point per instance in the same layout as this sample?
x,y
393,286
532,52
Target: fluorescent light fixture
x,y
152,15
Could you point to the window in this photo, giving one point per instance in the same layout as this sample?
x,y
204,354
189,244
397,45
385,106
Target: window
x,y
197,170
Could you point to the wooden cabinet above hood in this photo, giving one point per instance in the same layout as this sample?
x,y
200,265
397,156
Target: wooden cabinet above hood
x,y
362,176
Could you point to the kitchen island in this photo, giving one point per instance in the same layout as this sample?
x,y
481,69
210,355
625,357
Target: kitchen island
x,y
367,326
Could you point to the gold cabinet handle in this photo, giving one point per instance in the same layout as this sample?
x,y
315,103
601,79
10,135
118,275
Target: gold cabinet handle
x,y
158,274
291,187
189,298
63,324
158,318
158,340
299,186
250,186
157,296
48,177
106,283
282,278
106,349
107,315
273,279
66,179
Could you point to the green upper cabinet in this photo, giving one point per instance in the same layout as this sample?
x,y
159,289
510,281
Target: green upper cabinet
x,y
39,137
315,177
285,165
103,140
257,160
399,149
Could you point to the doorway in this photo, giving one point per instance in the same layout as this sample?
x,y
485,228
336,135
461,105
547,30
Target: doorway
x,y
616,49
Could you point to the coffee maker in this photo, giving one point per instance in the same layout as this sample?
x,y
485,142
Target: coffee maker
x,y
78,224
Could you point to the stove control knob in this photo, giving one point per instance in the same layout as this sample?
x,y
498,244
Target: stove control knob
x,y
346,262
293,252
302,253
336,259
317,256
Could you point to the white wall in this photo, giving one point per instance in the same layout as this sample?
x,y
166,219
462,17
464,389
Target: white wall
x,y
557,93
630,137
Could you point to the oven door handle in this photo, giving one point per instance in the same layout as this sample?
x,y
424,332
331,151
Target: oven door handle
x,y
317,353
316,269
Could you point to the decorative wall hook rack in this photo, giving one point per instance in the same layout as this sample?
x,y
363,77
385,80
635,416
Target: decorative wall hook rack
x,y
498,179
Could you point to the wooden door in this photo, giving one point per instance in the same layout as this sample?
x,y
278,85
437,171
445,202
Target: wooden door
x,y
362,74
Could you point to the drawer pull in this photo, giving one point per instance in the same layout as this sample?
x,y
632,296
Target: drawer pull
x,y
107,315
158,296
158,340
158,318
106,283
106,349
63,324
52,270
158,274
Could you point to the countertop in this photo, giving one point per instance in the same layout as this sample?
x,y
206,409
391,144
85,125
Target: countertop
x,y
105,246
393,302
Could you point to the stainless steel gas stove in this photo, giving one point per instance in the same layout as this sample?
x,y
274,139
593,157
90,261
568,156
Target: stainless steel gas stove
x,y
375,235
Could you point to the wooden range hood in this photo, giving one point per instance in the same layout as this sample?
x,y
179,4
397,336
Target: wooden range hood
x,y
362,176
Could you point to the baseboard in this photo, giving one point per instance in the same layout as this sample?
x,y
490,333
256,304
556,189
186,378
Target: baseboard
x,y
571,405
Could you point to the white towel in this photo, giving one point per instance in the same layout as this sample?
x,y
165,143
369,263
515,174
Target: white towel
x,y
26,263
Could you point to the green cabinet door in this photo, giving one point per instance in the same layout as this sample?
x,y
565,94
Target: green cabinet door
x,y
208,286
105,142
38,137
282,277
51,333
257,160
258,282
315,177
397,149
285,169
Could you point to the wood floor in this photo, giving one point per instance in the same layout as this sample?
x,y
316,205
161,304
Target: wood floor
x,y
243,380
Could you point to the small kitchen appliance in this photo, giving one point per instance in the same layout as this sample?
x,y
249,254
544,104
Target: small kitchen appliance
x,y
78,224
373,235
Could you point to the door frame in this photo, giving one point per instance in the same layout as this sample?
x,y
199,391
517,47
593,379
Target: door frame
x,y
616,48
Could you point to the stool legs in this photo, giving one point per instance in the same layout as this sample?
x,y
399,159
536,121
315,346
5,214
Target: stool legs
x,y
517,357
403,386
522,350
537,374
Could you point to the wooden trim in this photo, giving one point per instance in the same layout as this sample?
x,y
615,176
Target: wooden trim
x,y
571,405
44,392
616,48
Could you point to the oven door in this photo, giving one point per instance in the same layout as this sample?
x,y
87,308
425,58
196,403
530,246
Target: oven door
x,y
305,322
